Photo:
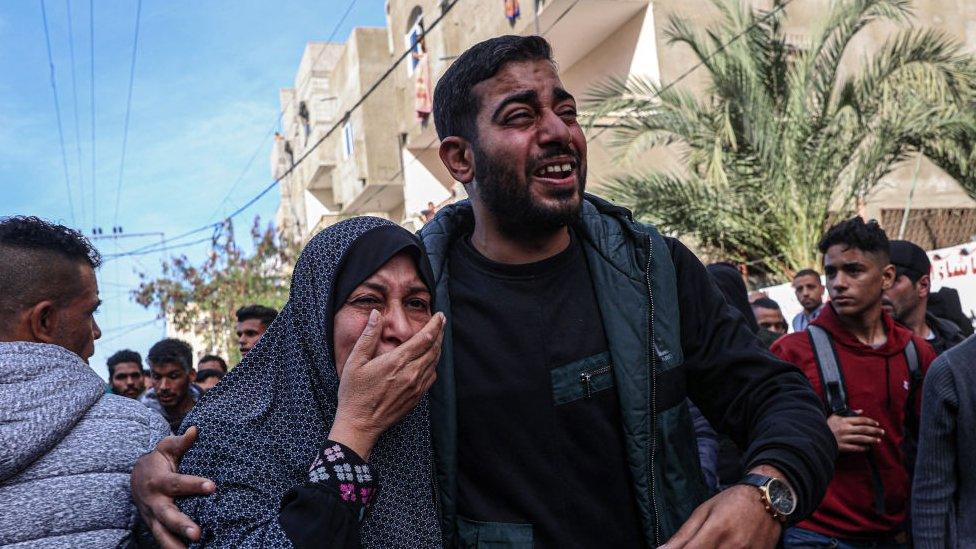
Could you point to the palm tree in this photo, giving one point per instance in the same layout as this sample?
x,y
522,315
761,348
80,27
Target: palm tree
x,y
783,141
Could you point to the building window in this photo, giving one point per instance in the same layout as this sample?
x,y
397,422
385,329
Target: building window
x,y
412,39
347,142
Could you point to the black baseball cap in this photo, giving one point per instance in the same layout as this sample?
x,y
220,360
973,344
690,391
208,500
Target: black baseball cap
x,y
909,259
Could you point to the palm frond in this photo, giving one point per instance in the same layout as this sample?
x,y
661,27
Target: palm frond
x,y
779,143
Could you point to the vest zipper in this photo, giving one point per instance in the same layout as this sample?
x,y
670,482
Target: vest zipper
x,y
652,361
586,378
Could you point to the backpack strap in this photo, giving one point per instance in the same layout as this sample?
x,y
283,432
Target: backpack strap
x,y
911,357
830,374
833,383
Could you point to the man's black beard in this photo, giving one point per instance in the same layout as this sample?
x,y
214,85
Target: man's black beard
x,y
516,212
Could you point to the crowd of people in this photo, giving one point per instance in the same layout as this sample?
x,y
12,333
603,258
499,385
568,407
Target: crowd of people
x,y
534,368
171,385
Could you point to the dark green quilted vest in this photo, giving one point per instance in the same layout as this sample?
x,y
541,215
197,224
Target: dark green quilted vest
x,y
635,284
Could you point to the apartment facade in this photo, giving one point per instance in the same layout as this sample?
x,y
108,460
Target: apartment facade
x,y
397,173
335,155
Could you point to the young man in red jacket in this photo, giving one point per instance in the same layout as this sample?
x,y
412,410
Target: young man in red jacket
x,y
872,400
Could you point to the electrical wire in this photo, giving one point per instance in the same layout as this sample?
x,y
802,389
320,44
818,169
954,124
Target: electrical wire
x,y
91,28
57,112
74,99
382,78
128,108
707,58
335,29
109,257
247,167
342,120
134,327
332,33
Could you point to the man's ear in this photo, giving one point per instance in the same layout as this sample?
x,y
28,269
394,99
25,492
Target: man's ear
x,y
888,275
42,320
923,287
458,157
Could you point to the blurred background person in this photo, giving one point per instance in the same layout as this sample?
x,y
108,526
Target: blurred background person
x,y
208,378
907,298
212,362
769,316
174,394
125,373
809,292
252,322
944,490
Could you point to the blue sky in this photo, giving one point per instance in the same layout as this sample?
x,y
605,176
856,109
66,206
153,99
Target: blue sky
x,y
204,99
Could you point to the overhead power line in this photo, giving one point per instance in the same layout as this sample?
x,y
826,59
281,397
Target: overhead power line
x,y
128,329
335,30
128,108
247,168
109,257
91,29
74,110
341,20
708,57
345,117
277,121
57,113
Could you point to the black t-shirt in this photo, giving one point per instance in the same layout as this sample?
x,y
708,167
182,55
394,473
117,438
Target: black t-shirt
x,y
528,450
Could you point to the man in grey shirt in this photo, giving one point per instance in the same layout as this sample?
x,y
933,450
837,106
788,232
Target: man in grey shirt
x,y
66,447
944,493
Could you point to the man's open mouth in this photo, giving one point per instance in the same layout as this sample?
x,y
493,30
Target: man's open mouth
x,y
556,171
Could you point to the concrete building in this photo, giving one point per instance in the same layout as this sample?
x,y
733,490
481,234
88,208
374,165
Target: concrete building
x,y
352,165
394,169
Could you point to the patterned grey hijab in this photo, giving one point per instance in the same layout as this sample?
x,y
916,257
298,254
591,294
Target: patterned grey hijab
x,y
261,427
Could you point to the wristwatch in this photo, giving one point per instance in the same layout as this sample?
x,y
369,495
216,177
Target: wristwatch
x,y
776,495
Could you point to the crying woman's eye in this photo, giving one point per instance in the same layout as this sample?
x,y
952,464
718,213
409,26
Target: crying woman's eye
x,y
365,300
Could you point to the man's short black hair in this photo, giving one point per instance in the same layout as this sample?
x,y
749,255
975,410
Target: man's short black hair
x,y
807,272
855,233
213,358
455,105
171,351
766,303
203,375
125,355
38,262
265,314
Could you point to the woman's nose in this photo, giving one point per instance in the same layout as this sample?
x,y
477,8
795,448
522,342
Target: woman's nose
x,y
396,325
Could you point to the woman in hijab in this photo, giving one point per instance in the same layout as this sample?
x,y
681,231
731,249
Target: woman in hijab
x,y
284,435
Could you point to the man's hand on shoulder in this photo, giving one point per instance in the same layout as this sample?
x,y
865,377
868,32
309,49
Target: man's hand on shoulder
x,y
156,482
736,517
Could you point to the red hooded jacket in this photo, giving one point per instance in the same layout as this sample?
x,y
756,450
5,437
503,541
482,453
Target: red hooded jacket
x,y
877,382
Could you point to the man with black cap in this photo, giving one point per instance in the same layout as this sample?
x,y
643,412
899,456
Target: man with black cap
x,y
906,299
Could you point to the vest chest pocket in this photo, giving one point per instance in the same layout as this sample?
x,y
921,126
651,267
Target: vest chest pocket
x,y
581,379
474,534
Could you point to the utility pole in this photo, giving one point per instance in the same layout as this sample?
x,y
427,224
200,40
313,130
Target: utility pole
x,y
911,195
535,14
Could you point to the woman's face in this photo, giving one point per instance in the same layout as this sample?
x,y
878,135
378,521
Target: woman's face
x,y
398,294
